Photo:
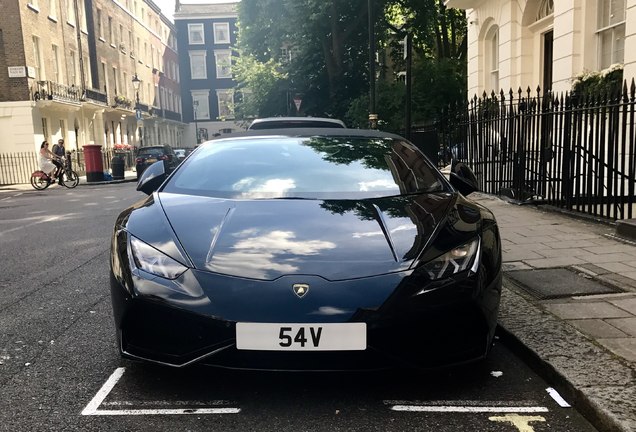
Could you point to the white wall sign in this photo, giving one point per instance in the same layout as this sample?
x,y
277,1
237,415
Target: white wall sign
x,y
17,71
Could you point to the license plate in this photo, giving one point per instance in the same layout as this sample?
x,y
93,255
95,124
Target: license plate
x,y
301,337
151,160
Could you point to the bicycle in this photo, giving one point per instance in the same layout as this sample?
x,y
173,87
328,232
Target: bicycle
x,y
65,176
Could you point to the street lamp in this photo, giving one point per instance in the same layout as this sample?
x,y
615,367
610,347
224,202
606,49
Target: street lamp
x,y
136,83
195,106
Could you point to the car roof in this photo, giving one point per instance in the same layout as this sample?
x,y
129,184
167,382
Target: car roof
x,y
291,120
311,132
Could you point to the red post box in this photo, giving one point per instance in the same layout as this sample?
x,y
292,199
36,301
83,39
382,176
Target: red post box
x,y
94,164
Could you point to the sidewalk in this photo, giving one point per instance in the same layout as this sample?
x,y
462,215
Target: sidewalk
x,y
129,176
569,305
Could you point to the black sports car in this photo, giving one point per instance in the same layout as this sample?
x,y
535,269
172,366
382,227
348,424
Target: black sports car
x,y
315,249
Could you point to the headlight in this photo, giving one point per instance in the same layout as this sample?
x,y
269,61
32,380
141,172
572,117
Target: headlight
x,y
455,261
151,260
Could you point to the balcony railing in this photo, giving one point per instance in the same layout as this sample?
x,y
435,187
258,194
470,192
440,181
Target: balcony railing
x,y
96,96
49,90
142,107
171,115
122,102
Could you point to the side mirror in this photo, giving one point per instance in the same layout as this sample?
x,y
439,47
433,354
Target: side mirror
x,y
152,178
463,178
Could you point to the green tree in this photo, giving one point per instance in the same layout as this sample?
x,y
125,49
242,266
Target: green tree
x,y
438,67
260,83
328,42
328,69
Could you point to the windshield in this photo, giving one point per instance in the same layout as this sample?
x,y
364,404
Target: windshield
x,y
314,167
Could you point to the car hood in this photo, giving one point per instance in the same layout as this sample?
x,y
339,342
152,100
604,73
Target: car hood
x,y
335,239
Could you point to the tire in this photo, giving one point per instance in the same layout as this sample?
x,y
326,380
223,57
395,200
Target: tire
x,y
70,179
39,183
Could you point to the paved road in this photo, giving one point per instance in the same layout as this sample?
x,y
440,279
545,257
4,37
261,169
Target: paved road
x,y
59,368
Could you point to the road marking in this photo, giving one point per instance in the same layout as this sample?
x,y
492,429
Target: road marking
x,y
468,406
185,411
522,423
467,409
557,397
38,220
98,399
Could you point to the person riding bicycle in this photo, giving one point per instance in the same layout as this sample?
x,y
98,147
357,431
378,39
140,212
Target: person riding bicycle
x,y
59,149
49,162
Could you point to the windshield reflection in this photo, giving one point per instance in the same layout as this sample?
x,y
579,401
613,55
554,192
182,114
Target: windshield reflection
x,y
311,167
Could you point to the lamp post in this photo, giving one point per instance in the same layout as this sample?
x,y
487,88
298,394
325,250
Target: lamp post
x,y
136,83
195,106
373,116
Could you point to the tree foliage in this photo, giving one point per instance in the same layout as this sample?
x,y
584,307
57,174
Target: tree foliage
x,y
328,68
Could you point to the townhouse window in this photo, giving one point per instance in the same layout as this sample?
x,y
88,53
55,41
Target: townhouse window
x,y
82,16
223,61
201,104
37,57
34,3
53,9
100,29
45,128
116,81
106,86
225,99
611,32
492,59
195,34
70,13
111,39
221,33
197,65
73,69
56,63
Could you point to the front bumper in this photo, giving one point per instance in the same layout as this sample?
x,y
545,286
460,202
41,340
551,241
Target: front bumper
x,y
450,325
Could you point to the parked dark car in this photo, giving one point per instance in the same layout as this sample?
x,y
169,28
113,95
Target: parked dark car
x,y
146,156
319,249
295,122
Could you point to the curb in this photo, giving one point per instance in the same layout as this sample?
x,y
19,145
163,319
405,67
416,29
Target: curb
x,y
568,359
85,183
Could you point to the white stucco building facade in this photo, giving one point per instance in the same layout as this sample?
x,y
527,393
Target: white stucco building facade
x,y
516,44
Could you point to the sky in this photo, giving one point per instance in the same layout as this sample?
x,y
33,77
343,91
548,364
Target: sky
x,y
167,6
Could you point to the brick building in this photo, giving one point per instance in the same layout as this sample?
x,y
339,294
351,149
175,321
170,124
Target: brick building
x,y
67,69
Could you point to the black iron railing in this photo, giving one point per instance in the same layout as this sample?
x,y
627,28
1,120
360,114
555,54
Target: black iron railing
x,y
49,90
575,152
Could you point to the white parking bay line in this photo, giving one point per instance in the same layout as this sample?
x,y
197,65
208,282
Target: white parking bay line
x,y
94,404
432,407
467,409
97,400
557,398
165,411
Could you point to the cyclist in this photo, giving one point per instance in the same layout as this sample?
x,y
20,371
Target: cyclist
x,y
49,161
